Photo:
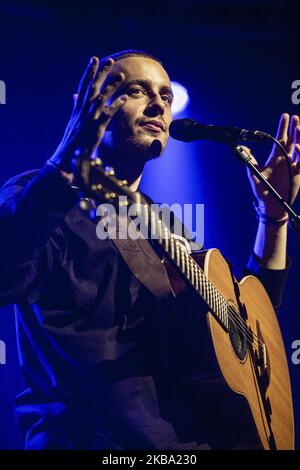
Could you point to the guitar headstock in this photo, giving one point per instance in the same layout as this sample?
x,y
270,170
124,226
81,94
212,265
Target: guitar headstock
x,y
99,182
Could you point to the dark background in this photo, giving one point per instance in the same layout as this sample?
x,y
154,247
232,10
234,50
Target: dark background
x,y
237,59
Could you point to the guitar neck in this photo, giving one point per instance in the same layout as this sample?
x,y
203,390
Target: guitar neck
x,y
176,252
98,181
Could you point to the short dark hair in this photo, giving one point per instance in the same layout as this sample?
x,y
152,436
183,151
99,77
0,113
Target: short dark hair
x,y
130,53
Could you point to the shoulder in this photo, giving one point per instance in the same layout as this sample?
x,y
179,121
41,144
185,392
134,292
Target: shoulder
x,y
12,186
21,179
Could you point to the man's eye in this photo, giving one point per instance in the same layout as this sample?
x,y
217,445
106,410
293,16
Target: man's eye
x,y
136,91
167,98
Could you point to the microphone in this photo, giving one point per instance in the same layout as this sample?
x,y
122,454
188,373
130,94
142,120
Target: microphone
x,y
189,130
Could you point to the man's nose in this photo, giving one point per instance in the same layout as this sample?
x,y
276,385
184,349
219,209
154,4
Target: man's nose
x,y
155,106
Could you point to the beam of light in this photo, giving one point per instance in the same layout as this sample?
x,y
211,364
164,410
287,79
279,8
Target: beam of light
x,y
181,97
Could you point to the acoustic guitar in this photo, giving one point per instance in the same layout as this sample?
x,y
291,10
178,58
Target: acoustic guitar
x,y
241,319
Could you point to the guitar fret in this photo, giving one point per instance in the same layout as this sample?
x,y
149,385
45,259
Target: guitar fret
x,y
146,216
219,307
203,285
226,316
206,286
172,246
187,265
192,272
177,254
222,309
214,301
183,263
210,293
223,312
166,239
212,297
153,225
220,314
206,294
197,277
160,230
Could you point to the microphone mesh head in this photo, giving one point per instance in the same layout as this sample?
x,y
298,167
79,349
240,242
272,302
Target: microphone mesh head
x,y
182,129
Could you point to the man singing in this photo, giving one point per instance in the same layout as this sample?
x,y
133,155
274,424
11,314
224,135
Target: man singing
x,y
108,365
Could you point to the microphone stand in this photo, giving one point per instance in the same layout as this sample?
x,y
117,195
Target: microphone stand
x,y
245,157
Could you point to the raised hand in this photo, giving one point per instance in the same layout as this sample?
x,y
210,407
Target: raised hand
x,y
91,114
276,169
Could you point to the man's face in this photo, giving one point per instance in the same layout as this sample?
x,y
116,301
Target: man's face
x,y
141,127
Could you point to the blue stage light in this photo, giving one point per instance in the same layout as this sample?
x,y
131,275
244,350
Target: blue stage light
x,y
181,97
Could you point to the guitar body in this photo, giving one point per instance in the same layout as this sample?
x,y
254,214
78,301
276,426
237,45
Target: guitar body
x,y
256,368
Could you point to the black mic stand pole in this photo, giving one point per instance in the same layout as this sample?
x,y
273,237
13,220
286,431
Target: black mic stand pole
x,y
245,157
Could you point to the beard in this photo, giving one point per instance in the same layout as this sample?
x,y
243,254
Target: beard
x,y
121,138
138,149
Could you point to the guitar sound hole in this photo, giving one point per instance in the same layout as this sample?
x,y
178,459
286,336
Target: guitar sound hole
x,y
238,338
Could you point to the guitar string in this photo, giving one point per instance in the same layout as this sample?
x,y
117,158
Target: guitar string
x,y
142,203
236,318
215,293
232,313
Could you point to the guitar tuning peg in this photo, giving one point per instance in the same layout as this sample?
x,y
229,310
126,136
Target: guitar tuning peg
x,y
96,187
123,203
110,195
96,162
86,204
109,171
123,183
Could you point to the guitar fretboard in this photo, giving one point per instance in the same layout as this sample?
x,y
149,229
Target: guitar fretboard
x,y
188,267
159,233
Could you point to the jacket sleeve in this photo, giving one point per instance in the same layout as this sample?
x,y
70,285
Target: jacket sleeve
x,y
273,280
30,213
